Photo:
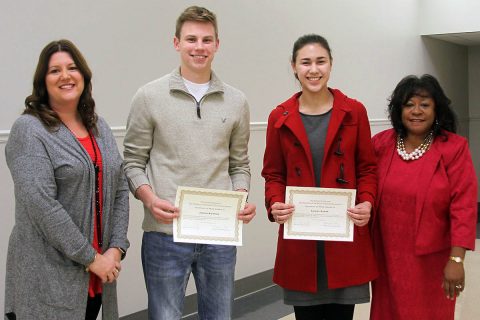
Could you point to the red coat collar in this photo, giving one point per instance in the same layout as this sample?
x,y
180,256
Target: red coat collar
x,y
291,118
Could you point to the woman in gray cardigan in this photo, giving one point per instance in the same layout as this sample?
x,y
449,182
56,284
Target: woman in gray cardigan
x,y
71,198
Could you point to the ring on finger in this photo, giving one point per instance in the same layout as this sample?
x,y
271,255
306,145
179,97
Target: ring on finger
x,y
459,286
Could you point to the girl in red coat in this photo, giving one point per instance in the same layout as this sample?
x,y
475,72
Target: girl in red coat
x,y
426,206
320,138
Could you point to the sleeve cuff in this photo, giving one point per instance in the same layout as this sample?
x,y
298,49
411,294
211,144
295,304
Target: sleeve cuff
x,y
241,182
366,197
135,182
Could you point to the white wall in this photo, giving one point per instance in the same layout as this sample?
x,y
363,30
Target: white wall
x,y
474,104
448,16
449,63
7,216
127,43
443,17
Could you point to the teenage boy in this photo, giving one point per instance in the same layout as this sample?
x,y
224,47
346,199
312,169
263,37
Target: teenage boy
x,y
187,128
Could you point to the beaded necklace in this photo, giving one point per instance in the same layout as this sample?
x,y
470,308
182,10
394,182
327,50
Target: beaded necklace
x,y
96,168
97,191
418,152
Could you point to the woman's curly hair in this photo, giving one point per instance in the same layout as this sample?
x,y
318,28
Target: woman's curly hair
x,y
425,86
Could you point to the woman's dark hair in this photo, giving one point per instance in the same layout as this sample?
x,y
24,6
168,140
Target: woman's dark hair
x,y
37,103
309,39
425,86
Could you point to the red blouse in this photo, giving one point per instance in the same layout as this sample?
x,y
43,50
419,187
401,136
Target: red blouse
x,y
95,286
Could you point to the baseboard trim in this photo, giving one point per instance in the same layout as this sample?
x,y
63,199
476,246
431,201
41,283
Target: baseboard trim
x,y
243,287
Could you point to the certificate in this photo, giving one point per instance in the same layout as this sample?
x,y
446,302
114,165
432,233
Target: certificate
x,y
320,214
208,216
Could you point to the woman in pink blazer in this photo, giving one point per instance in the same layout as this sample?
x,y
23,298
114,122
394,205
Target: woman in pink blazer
x,y
426,206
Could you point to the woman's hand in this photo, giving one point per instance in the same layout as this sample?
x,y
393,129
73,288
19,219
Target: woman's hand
x,y
454,274
114,253
105,267
454,279
281,212
360,214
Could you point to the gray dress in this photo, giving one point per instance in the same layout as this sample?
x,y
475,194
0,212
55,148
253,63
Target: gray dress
x,y
316,127
51,241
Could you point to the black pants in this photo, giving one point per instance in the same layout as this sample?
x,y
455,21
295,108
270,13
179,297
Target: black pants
x,y
331,311
93,307
11,316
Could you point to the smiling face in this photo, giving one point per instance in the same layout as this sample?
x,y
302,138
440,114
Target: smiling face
x,y
64,81
418,115
197,46
312,67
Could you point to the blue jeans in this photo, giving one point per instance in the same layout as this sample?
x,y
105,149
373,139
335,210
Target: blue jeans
x,y
167,266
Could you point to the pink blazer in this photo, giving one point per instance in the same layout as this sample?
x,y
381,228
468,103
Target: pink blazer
x,y
446,204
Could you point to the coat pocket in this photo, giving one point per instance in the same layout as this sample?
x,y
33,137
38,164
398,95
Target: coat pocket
x,y
62,286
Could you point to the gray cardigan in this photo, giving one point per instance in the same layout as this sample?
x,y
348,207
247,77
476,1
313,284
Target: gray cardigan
x,y
168,145
51,241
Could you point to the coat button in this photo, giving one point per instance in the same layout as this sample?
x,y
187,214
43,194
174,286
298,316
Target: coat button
x,y
298,171
285,113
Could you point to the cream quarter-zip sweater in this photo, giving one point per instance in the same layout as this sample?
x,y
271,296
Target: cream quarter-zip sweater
x,y
173,140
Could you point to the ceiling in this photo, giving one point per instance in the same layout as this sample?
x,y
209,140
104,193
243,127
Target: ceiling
x,y
463,38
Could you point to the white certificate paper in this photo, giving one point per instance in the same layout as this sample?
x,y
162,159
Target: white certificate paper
x,y
320,214
208,216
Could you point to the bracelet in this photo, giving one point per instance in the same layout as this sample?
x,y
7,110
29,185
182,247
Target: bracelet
x,y
87,269
122,252
456,259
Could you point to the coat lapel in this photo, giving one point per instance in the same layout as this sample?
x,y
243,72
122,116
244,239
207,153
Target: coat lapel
x,y
292,120
333,127
340,109
432,158
383,165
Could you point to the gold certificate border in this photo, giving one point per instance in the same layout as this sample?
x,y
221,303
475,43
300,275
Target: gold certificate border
x,y
239,196
322,191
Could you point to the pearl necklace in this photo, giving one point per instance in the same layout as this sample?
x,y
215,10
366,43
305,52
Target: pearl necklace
x,y
418,152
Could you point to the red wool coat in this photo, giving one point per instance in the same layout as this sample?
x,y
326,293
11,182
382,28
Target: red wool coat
x,y
349,162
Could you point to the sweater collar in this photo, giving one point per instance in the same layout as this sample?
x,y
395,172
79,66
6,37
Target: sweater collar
x,y
176,83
